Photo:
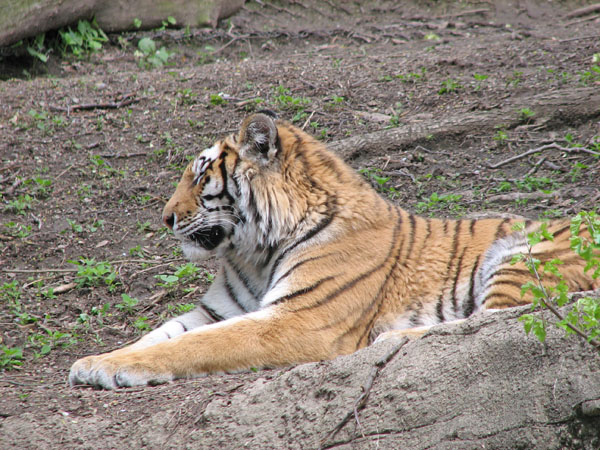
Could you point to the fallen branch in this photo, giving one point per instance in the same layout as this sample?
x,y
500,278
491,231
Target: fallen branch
x,y
361,401
562,106
583,11
585,19
516,196
596,36
469,12
554,145
126,101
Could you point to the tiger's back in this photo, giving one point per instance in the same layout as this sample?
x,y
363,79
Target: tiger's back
x,y
314,263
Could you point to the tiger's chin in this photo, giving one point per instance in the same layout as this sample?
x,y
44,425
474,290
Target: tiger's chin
x,y
194,252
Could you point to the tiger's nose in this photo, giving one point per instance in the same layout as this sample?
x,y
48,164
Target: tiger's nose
x,y
169,220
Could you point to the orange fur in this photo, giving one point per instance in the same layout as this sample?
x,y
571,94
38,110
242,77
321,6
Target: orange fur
x,y
315,263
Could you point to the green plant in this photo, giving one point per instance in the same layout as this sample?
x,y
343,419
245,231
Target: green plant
x,y
436,202
85,39
285,100
576,171
590,76
149,56
500,136
583,317
50,340
186,272
10,357
525,114
141,323
37,49
9,291
380,181
18,230
94,273
479,78
449,86
75,227
19,205
128,304
515,78
413,77
181,308
217,99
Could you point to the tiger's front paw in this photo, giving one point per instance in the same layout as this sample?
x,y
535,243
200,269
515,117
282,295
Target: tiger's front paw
x,y
113,371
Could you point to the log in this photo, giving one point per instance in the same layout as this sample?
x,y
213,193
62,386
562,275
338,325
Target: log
x,y
566,107
20,19
479,384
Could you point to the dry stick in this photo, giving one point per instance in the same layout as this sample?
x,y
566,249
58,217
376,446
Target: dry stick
x,y
234,39
361,401
554,145
465,13
583,11
580,38
127,100
585,19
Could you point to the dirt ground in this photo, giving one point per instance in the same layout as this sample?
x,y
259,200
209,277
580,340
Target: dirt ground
x,y
91,150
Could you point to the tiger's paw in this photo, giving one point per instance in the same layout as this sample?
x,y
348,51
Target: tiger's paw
x,y
113,371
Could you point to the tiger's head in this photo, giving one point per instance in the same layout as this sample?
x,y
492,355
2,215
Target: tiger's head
x,y
228,195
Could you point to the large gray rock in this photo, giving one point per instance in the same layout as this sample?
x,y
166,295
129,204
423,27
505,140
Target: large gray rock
x,y
481,384
20,19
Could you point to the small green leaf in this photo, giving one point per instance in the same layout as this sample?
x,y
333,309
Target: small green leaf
x,y
147,46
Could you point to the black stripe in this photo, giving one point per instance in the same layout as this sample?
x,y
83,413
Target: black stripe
x,y
238,191
469,305
412,221
426,240
561,231
456,278
511,271
340,290
252,207
353,282
230,291
377,298
439,309
304,290
311,233
243,278
212,313
457,226
295,266
182,325
513,283
513,300
500,233
472,227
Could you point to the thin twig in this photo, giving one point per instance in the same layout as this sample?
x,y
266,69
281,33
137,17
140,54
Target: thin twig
x,y
361,401
585,19
547,303
596,36
536,166
554,145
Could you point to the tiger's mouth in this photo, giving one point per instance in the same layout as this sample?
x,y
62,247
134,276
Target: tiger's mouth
x,y
208,238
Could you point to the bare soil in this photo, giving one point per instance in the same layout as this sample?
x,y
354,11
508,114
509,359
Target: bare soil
x,y
91,149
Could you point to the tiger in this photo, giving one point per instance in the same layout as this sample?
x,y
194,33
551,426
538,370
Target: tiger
x,y
314,263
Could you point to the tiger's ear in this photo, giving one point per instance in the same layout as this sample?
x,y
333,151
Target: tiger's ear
x,y
258,138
